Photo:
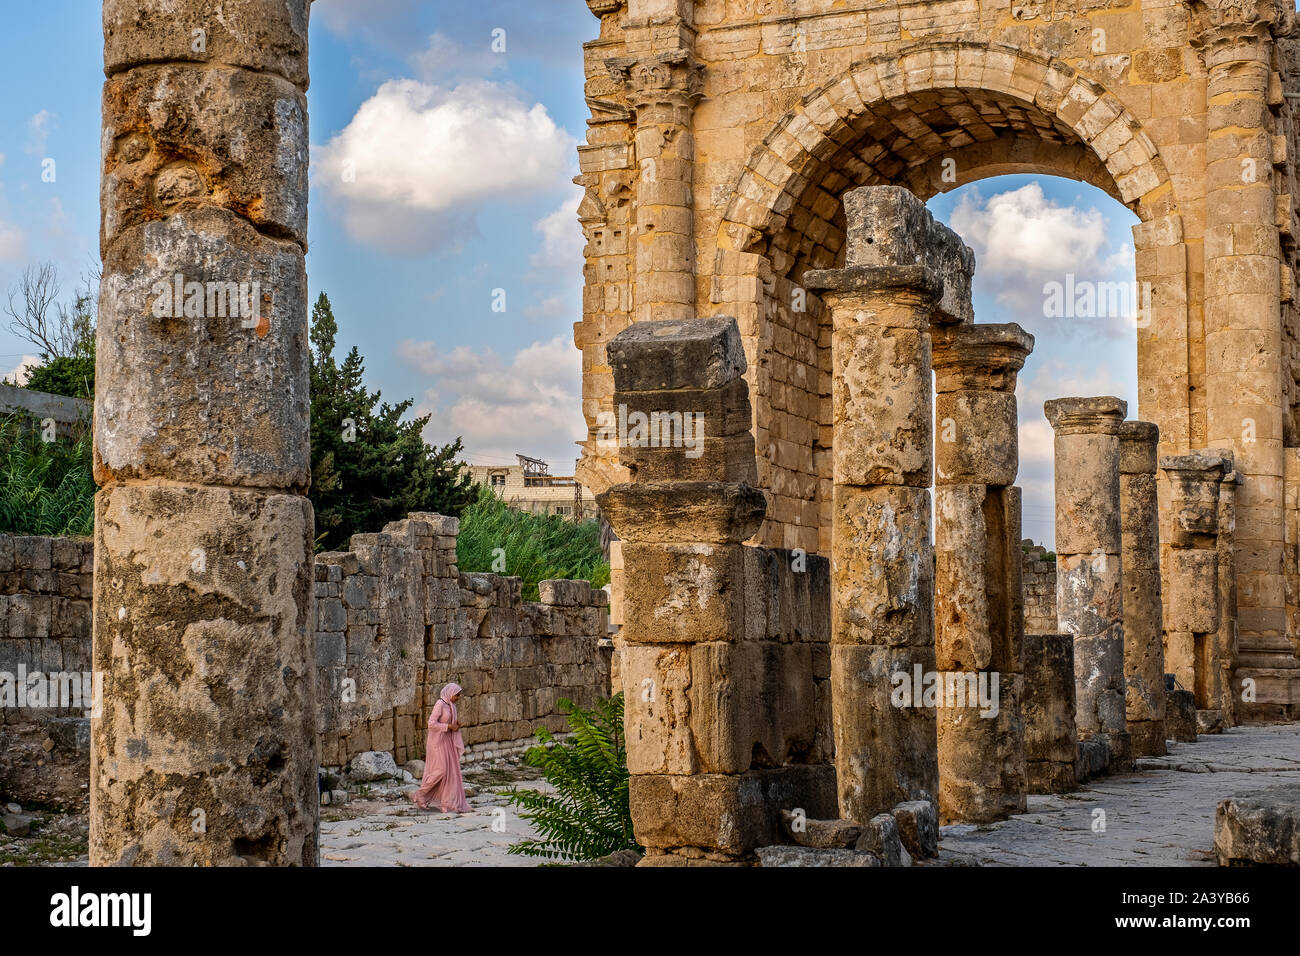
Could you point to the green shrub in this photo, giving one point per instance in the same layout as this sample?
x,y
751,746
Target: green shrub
x,y
588,816
46,488
534,547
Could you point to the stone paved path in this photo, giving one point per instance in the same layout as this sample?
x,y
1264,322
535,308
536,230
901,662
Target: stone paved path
x,y
387,830
1163,816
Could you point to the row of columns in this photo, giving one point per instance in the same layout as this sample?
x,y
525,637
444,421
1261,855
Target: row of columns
x,y
898,660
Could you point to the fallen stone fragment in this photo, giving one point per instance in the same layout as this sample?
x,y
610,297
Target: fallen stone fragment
x,y
821,834
918,827
880,837
1259,828
373,765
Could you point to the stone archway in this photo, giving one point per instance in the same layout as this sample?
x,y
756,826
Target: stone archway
x,y
723,136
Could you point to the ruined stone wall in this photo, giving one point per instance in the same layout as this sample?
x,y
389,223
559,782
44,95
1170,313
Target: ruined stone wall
x,y
1039,576
393,615
396,620
45,588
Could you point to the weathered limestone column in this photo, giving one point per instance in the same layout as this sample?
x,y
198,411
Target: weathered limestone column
x,y
901,269
1192,631
1144,657
663,90
205,753
1089,569
715,707
1243,325
979,618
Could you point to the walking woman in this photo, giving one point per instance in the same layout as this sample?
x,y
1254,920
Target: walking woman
x,y
442,783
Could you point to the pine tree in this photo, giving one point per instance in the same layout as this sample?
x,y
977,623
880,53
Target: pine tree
x,y
369,466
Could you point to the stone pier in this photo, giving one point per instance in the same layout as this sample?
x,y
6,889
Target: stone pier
x,y
979,618
1197,639
205,752
1144,658
1089,571
724,659
904,271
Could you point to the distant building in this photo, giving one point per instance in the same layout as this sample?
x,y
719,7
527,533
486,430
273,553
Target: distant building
x,y
529,486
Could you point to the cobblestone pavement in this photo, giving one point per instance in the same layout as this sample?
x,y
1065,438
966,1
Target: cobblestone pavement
x,y
1162,816
386,829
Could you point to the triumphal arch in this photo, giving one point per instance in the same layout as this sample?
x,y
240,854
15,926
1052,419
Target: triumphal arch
x,y
724,134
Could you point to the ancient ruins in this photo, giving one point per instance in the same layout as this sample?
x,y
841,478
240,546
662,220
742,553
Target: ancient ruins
x,y
811,662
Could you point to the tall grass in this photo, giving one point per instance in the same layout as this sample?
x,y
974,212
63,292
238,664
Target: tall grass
x,y
534,547
46,488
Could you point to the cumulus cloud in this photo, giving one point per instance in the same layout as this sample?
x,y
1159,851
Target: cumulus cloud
x,y
408,170
529,403
13,242
1024,241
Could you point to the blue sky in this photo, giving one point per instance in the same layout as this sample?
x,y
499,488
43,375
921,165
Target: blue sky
x,y
441,173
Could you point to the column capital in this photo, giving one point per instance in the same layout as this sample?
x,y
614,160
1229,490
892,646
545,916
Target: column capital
x,y
866,288
979,357
1221,26
1101,415
674,78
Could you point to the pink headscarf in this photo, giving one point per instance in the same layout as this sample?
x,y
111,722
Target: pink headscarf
x,y
447,693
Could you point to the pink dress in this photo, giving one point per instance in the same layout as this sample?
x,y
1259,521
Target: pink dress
x,y
442,782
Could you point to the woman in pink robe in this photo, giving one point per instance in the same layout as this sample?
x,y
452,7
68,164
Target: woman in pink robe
x,y
442,783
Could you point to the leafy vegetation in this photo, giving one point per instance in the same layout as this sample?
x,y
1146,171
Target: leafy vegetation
x,y
496,537
589,815
368,466
46,488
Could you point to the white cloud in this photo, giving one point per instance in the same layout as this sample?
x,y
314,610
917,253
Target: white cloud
x,y
1023,230
562,238
529,404
416,159
1023,241
18,374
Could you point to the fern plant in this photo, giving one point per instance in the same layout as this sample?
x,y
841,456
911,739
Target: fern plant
x,y
588,816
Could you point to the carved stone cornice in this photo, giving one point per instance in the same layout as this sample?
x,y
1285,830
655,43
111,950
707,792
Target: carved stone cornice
x,y
675,78
601,8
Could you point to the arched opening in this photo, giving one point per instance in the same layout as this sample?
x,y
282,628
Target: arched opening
x,y
934,120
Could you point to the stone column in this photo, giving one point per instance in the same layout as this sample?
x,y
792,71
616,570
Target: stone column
x,y
1144,657
719,711
663,90
902,269
205,753
1243,325
1192,631
1232,699
1089,592
979,617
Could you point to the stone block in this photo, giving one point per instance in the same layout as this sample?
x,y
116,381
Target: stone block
x,y
202,398
1259,828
